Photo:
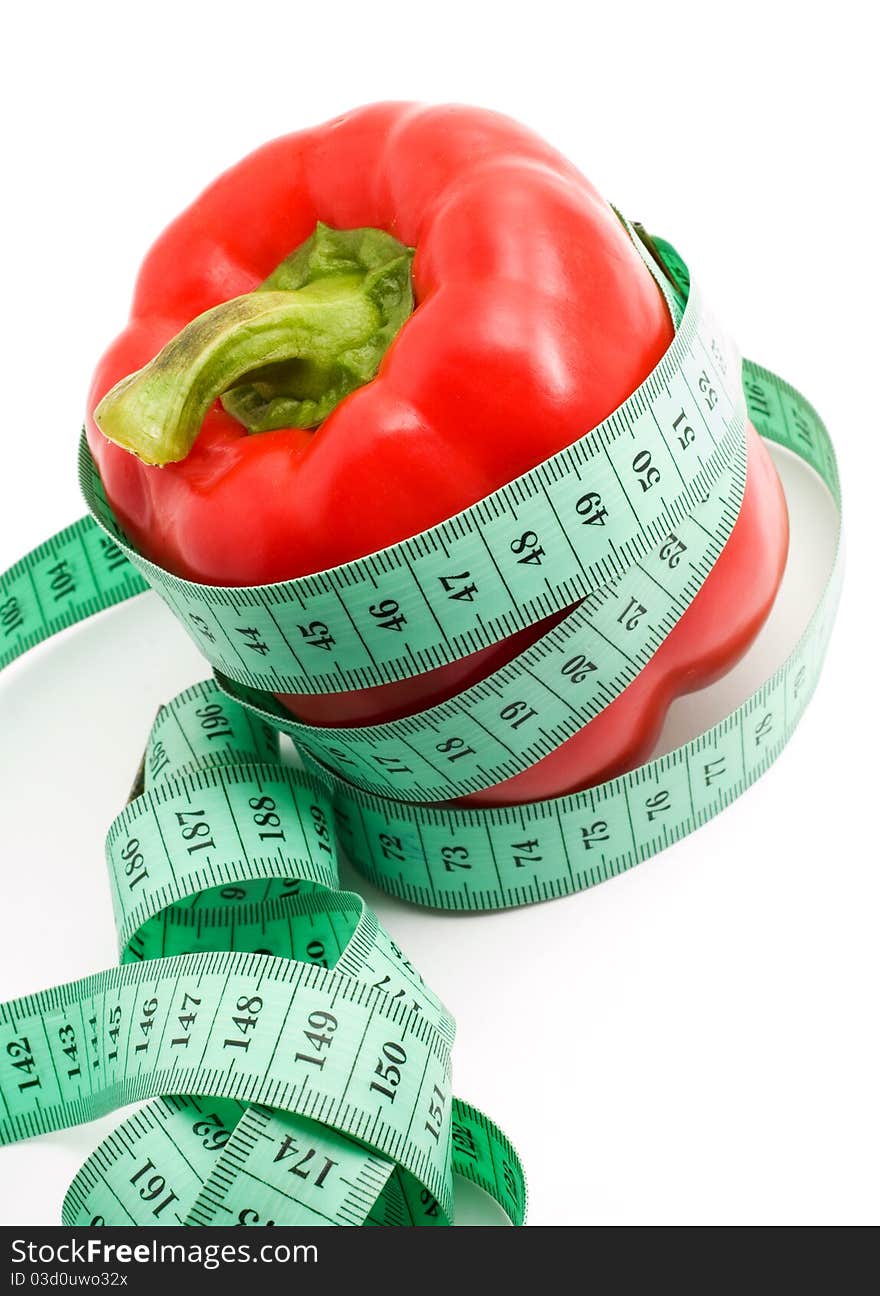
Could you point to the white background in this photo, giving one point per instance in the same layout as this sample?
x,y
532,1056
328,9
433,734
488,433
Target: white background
x,y
697,1041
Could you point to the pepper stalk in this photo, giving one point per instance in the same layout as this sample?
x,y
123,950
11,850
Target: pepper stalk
x,y
283,355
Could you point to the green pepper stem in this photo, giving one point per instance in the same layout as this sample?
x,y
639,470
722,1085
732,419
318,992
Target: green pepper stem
x,y
282,356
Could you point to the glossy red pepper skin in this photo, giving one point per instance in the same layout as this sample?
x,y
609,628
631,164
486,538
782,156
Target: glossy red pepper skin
x,y
535,319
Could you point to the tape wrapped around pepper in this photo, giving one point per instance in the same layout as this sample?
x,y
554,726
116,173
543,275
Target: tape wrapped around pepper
x,y
534,319
301,396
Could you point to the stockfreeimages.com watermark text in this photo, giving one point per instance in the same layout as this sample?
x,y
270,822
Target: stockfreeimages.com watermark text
x,y
209,1255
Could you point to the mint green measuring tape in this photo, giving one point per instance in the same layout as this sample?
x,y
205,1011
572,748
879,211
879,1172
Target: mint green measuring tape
x,y
300,1064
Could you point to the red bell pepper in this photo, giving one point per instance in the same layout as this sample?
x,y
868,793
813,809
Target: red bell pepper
x,y
534,318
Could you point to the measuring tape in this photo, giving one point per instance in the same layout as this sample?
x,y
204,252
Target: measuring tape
x,y
224,848
302,1063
